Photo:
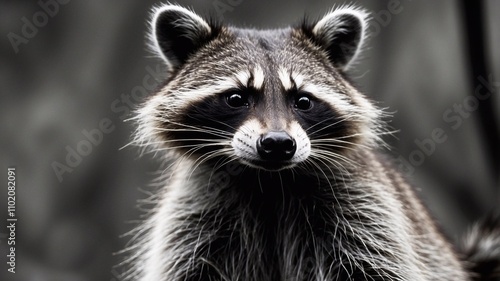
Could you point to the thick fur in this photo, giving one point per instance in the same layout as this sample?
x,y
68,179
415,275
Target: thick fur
x,y
482,247
335,211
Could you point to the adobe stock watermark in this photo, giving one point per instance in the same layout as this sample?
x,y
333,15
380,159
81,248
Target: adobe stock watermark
x,y
150,82
379,20
223,6
383,17
117,276
75,154
31,26
454,117
222,178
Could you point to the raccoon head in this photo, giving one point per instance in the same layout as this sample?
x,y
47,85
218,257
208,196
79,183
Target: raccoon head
x,y
270,99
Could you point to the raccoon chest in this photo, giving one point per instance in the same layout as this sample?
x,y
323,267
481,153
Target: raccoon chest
x,y
270,242
267,250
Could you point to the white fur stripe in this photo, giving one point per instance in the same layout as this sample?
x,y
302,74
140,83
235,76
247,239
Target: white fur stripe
x,y
297,79
285,79
258,77
243,77
218,86
290,80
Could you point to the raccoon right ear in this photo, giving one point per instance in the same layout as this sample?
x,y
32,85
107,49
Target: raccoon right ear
x,y
176,33
341,34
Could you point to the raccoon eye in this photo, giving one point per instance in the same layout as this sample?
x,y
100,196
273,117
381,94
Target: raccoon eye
x,y
237,100
303,103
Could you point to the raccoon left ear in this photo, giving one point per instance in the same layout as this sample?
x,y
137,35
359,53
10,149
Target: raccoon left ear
x,y
341,34
176,33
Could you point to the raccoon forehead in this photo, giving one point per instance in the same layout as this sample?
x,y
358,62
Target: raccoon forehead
x,y
249,55
272,59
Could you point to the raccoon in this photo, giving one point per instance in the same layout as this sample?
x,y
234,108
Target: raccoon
x,y
276,171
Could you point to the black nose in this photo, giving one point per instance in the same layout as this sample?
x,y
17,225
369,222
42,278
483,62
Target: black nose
x,y
276,146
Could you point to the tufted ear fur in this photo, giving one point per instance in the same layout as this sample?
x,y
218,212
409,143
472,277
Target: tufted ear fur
x,y
341,34
176,33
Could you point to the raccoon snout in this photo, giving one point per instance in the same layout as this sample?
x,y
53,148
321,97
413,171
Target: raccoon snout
x,y
276,146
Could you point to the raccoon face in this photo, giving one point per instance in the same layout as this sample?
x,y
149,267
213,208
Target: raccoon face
x,y
271,99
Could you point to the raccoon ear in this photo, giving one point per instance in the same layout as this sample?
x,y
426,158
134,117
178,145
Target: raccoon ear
x,y
176,33
341,34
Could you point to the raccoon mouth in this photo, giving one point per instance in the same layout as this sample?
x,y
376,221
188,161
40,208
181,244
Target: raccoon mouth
x,y
273,166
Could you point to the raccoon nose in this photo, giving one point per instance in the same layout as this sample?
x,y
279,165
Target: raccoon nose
x,y
276,146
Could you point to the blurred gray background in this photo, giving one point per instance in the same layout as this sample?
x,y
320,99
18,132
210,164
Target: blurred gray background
x,y
78,65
